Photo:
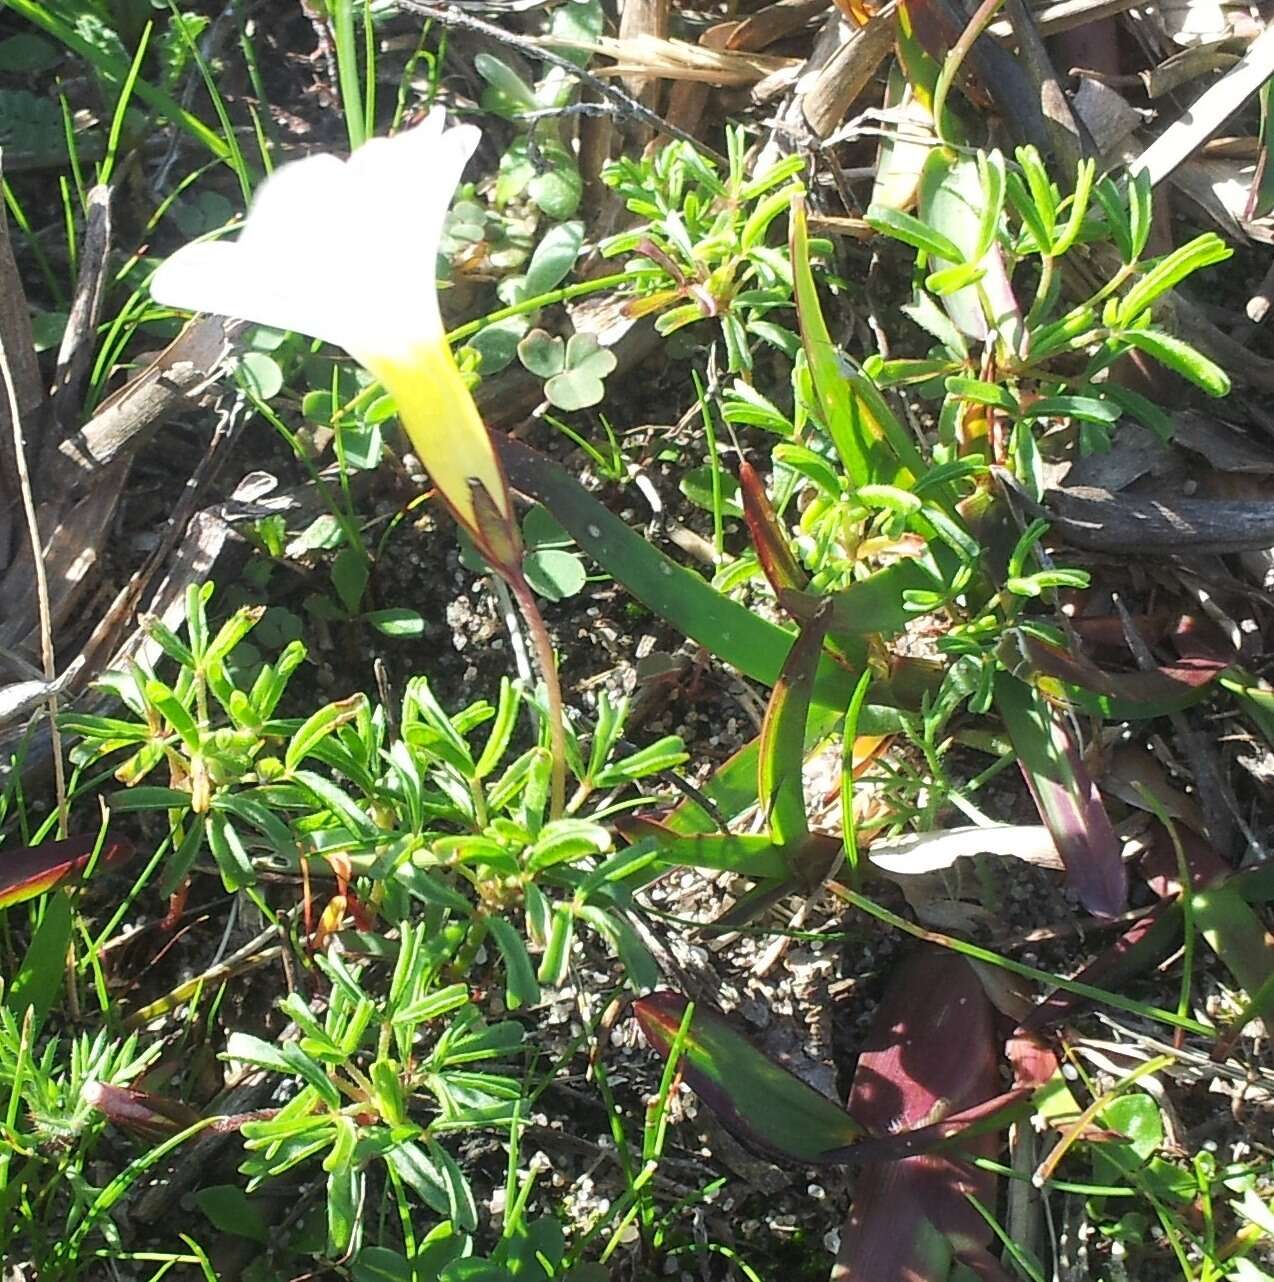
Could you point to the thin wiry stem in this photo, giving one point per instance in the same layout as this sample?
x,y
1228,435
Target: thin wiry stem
x,y
553,687
47,655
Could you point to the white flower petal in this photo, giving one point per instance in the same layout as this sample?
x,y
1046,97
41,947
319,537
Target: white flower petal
x,y
345,251
404,186
231,280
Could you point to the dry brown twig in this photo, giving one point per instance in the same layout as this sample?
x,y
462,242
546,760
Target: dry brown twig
x,y
47,655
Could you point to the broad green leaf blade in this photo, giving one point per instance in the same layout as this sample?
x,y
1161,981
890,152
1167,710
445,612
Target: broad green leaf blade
x,y
903,150
762,1102
874,606
731,631
1066,796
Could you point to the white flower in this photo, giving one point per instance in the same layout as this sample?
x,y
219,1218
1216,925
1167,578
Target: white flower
x,y
346,251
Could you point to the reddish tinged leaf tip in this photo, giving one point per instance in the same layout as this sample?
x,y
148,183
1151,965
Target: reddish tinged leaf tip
x,y
33,870
153,1117
772,548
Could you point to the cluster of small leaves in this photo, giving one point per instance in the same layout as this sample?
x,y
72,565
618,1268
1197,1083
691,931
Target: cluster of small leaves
x,y
49,1129
420,813
703,243
382,1078
492,231
445,835
983,225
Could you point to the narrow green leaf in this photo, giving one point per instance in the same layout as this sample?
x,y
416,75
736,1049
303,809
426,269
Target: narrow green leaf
x,y
520,987
780,778
319,725
853,411
1181,358
1202,251
912,231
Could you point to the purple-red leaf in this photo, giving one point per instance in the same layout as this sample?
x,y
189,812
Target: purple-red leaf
x,y
932,1056
1066,797
932,1050
153,1117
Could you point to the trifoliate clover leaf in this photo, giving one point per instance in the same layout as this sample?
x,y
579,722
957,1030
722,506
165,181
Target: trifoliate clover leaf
x,y
579,385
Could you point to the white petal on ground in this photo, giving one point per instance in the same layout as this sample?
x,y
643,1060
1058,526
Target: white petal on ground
x,y
922,852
